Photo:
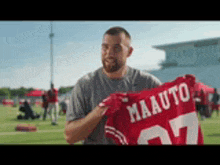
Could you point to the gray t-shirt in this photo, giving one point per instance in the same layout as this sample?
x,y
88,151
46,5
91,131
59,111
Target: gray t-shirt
x,y
92,88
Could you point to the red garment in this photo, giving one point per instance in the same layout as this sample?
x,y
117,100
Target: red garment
x,y
7,102
204,98
52,98
163,115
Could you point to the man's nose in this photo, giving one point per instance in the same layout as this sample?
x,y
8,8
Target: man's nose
x,y
111,52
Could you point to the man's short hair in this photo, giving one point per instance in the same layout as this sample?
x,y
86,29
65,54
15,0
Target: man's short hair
x,y
117,30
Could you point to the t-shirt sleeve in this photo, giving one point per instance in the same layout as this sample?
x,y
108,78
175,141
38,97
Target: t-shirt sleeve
x,y
155,82
77,104
149,81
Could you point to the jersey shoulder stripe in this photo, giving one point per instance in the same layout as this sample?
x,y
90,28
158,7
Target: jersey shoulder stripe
x,y
117,134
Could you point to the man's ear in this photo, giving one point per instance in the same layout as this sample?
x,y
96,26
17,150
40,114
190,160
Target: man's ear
x,y
130,51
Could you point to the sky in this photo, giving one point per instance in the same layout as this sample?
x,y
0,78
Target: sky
x,y
25,47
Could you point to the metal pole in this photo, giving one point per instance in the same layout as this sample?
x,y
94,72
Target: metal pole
x,y
51,52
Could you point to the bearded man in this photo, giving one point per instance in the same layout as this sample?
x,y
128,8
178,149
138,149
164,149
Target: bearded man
x,y
85,120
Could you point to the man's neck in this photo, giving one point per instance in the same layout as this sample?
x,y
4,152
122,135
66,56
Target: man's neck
x,y
118,74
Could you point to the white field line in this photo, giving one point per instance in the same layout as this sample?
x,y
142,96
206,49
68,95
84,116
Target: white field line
x,y
14,124
38,131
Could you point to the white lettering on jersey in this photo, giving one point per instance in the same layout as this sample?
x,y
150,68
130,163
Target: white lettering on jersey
x,y
163,95
183,93
184,87
173,90
144,109
133,110
155,106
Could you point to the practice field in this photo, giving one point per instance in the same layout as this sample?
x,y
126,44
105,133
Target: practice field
x,y
48,134
211,129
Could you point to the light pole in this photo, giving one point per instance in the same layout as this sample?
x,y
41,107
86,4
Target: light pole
x,y
51,52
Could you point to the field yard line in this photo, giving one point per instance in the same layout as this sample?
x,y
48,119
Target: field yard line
x,y
37,124
39,131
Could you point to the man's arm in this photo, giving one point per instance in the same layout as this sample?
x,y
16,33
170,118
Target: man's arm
x,y
80,129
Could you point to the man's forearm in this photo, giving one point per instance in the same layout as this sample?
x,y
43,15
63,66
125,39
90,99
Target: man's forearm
x,y
80,129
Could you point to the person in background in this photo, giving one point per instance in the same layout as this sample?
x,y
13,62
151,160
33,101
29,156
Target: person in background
x,y
53,104
44,105
28,111
215,99
203,104
197,101
64,105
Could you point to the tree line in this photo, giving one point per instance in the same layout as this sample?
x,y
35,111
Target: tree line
x,y
10,93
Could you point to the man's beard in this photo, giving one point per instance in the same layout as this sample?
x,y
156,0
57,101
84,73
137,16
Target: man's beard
x,y
112,67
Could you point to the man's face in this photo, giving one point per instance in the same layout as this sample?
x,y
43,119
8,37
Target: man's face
x,y
115,50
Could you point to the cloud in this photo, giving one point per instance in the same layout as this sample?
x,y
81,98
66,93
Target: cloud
x,y
67,54
212,33
71,65
71,62
29,76
146,57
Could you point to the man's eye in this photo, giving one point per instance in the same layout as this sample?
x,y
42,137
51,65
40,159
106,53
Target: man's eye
x,y
104,47
117,48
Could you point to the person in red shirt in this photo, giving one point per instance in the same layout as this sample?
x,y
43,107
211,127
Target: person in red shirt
x,y
53,104
44,104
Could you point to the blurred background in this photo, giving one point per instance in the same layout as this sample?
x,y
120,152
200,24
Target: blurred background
x,y
159,47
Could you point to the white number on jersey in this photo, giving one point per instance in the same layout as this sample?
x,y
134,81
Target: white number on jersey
x,y
188,120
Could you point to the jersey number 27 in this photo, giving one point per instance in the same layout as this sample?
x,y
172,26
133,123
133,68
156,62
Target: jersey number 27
x,y
188,120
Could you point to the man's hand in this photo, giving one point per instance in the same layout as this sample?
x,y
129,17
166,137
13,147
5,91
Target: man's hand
x,y
113,102
80,129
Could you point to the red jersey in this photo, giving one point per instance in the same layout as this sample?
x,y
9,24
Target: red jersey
x,y
163,115
53,97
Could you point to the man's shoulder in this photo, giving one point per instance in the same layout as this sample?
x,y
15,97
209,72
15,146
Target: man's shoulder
x,y
88,78
142,74
145,77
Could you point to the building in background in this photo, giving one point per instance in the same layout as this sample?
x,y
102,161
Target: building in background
x,y
193,53
200,57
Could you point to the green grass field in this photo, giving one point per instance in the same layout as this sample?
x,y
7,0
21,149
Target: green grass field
x,y
211,129
48,134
